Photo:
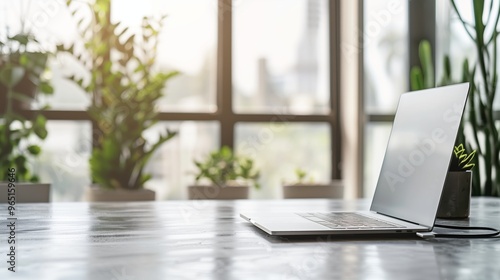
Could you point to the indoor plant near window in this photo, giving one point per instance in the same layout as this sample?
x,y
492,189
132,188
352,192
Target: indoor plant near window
x,y
124,88
455,199
226,176
485,136
305,187
22,64
483,78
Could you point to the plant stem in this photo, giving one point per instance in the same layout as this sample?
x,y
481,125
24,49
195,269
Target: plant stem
x,y
461,19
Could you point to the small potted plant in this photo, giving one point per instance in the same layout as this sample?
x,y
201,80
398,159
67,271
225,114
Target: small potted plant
x,y
305,187
455,198
22,64
224,175
124,87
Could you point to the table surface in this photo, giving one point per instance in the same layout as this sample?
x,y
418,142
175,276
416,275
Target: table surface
x,y
207,239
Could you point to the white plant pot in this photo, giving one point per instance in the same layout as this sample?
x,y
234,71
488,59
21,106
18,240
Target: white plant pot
x,y
332,190
97,194
217,192
26,192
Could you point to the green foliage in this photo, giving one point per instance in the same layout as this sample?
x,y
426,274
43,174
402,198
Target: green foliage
x,y
462,161
302,177
20,80
485,138
423,76
223,166
124,89
480,112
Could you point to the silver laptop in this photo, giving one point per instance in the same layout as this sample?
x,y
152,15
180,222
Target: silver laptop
x,y
411,178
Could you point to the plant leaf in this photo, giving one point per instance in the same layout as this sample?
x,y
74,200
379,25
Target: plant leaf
x,y
11,75
34,150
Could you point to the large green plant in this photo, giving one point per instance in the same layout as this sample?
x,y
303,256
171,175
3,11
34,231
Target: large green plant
x,y
480,112
484,81
20,80
125,89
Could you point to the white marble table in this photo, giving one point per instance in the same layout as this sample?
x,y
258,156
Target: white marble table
x,y
207,240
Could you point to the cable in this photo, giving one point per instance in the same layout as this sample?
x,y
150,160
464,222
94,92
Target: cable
x,y
455,235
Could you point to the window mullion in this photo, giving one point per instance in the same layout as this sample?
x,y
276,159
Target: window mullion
x,y
335,134
224,78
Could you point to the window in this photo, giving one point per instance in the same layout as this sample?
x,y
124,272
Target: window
x,y
386,76
288,71
246,66
284,147
386,51
172,165
64,161
453,40
187,44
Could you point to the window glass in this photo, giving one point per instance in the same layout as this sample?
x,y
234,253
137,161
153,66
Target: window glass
x,y
280,148
386,76
66,151
52,24
172,165
377,136
385,47
453,40
280,56
64,161
187,44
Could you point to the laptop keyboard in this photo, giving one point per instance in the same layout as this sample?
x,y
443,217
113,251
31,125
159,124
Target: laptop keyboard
x,y
347,221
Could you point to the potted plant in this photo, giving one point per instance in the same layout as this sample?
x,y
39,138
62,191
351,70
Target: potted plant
x,y
224,175
124,88
21,78
455,198
306,187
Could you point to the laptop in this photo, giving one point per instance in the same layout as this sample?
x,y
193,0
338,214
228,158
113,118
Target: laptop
x,y
411,179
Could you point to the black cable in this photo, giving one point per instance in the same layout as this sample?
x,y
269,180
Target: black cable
x,y
455,235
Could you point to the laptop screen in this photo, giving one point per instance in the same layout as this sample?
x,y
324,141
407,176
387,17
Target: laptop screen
x,y
418,153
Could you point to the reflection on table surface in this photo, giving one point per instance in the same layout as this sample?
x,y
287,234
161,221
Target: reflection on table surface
x,y
207,239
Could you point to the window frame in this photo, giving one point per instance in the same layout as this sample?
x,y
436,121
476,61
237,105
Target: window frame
x,y
225,114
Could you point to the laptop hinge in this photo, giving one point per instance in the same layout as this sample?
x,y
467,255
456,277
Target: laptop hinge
x,y
410,222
